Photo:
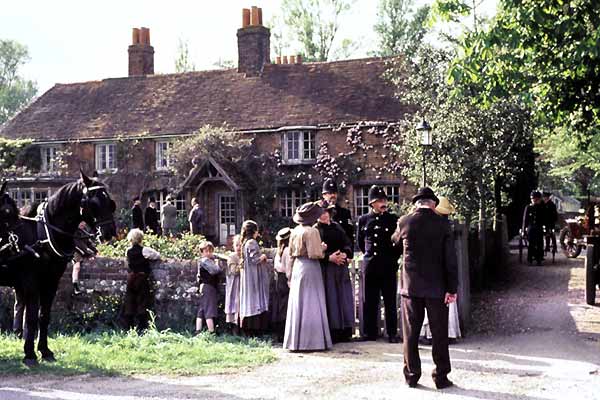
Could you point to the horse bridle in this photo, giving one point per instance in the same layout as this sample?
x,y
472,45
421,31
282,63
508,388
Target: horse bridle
x,y
95,224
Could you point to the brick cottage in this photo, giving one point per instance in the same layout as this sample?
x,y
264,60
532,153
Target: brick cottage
x,y
288,106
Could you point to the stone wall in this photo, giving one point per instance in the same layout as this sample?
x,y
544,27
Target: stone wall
x,y
104,282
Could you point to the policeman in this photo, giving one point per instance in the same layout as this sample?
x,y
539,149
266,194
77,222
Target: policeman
x,y
340,214
533,227
381,264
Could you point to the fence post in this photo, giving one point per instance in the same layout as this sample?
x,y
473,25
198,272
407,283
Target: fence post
x,y
464,282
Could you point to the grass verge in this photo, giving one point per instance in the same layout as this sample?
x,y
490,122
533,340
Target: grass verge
x,y
154,353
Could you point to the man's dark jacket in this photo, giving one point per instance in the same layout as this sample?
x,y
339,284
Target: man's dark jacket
x,y
137,217
429,266
152,219
343,217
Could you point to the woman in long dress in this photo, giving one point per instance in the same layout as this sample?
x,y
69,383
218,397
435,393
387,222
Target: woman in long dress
x,y
254,305
307,327
336,277
232,287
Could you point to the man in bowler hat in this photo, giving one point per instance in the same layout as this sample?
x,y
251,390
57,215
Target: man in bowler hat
x,y
533,226
429,281
380,264
339,214
152,217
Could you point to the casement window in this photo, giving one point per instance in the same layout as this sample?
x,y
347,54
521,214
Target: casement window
x,y
163,160
361,198
106,157
291,199
299,147
26,196
49,161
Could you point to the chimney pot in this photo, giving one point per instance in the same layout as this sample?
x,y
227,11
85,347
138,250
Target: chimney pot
x,y
292,59
254,16
245,17
278,58
299,59
135,36
145,36
285,60
260,16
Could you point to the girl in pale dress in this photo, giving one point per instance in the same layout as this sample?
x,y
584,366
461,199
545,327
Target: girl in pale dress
x,y
306,325
444,208
232,287
254,305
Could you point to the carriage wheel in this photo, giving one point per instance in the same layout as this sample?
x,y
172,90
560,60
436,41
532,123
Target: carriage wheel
x,y
567,243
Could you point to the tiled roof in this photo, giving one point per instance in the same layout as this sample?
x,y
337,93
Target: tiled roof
x,y
285,95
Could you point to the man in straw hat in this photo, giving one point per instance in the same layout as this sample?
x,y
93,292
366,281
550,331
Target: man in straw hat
x,y
429,281
380,264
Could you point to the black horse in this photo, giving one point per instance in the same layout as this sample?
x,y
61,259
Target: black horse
x,y
9,218
46,245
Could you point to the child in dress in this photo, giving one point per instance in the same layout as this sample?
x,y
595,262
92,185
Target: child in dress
x,y
208,280
232,287
283,274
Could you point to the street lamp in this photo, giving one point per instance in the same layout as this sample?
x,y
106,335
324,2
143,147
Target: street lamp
x,y
424,131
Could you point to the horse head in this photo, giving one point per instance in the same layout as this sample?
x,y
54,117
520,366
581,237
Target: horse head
x,y
97,207
9,213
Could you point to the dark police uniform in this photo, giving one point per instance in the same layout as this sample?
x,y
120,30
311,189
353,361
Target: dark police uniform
x,y
340,214
533,227
137,217
380,266
551,217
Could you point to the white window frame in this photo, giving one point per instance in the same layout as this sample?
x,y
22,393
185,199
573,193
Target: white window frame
x,y
163,159
361,197
303,145
179,202
105,165
26,196
48,155
290,200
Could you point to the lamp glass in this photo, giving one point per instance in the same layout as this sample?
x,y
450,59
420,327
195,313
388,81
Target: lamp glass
x,y
426,137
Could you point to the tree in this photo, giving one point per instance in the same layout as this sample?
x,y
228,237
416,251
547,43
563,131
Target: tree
x,y
397,33
15,91
477,151
183,62
548,53
315,24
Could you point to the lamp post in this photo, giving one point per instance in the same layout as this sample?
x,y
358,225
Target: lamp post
x,y
424,131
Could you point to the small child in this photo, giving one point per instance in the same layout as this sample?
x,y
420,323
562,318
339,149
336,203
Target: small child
x,y
138,297
208,280
232,287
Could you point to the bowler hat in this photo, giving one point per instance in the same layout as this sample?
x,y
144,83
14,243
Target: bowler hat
x,y
308,213
283,233
425,193
445,207
329,186
546,194
152,199
377,193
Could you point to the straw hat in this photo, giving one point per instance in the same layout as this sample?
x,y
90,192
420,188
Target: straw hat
x,y
283,233
445,207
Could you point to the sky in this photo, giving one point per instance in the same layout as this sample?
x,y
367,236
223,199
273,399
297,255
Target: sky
x,y
82,40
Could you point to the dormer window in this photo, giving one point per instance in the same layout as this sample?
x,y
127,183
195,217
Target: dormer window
x,y
299,146
49,160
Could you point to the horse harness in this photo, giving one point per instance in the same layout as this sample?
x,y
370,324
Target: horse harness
x,y
46,234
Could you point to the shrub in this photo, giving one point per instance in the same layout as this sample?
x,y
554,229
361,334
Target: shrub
x,y
183,248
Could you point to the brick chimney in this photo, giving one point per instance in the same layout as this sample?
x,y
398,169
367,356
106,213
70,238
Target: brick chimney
x,y
254,44
141,54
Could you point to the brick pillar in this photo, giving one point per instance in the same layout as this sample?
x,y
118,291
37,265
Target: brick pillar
x,y
141,53
254,44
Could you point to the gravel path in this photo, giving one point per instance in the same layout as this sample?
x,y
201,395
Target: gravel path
x,y
533,339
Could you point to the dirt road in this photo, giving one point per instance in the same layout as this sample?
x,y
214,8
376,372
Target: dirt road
x,y
534,338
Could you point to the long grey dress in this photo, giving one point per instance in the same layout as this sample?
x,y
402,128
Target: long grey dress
x,y
307,327
232,289
253,285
